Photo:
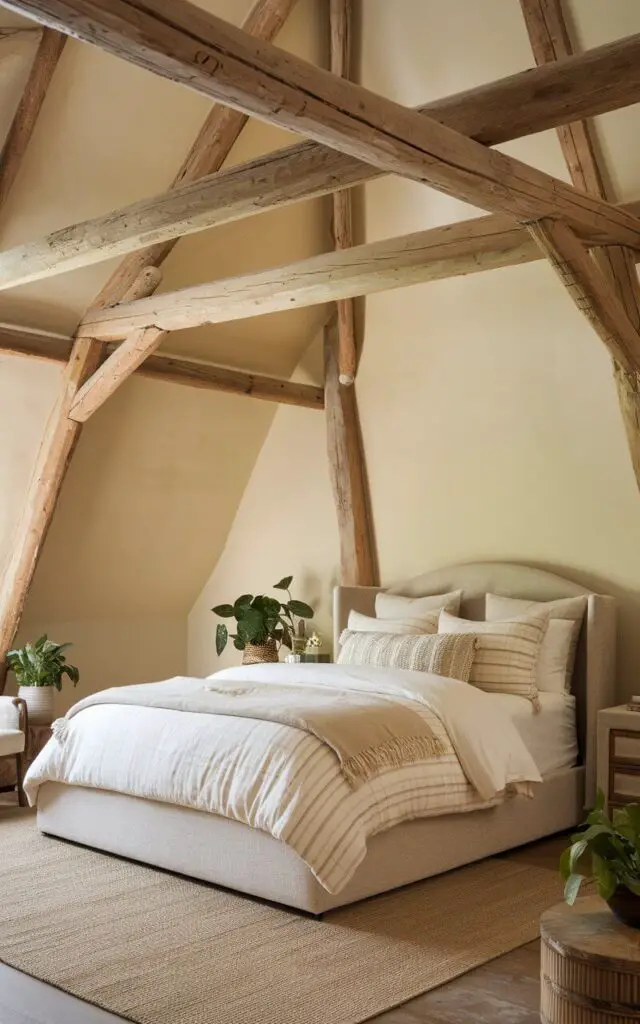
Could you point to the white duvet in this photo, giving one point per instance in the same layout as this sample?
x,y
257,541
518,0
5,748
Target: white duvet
x,y
284,781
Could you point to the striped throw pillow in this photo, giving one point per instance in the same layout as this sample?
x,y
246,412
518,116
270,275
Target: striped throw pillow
x,y
427,623
507,653
450,655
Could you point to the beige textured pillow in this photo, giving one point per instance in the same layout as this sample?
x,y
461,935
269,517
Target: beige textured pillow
x,y
360,623
558,653
506,654
450,655
397,606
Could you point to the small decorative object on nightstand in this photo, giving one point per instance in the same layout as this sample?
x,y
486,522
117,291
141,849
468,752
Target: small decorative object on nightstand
x,y
619,755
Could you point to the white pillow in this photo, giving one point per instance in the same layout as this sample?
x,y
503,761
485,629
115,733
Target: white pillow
x,y
397,606
507,652
558,651
359,623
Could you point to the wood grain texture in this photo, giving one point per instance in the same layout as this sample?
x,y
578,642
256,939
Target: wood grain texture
x,y
113,372
188,45
340,20
206,156
358,562
493,113
551,42
464,248
45,62
590,291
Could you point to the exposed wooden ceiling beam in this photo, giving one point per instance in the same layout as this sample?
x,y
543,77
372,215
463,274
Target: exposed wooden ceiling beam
x,y
340,23
62,433
44,64
116,368
188,45
467,247
590,291
174,370
521,104
551,42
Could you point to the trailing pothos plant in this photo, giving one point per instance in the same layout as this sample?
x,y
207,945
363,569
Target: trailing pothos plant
x,y
607,850
41,664
261,619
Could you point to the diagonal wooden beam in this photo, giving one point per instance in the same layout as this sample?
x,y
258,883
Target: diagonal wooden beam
x,y
116,368
62,433
173,370
589,289
188,45
44,64
530,101
550,42
340,19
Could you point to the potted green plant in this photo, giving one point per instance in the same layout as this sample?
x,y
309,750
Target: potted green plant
x,y
264,624
607,851
38,668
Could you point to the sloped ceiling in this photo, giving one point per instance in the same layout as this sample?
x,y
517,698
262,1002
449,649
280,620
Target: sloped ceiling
x,y
159,470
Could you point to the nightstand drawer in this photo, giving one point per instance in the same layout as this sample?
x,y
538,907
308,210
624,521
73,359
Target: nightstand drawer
x,y
624,784
624,746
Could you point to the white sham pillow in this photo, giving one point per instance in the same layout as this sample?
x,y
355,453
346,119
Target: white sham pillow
x,y
397,606
427,624
558,650
507,652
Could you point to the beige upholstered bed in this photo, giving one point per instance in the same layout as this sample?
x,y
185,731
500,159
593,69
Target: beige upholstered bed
x,y
229,853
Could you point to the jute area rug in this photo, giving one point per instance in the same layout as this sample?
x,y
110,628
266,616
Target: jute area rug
x,y
160,949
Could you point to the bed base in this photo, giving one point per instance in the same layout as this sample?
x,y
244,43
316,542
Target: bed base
x,y
228,853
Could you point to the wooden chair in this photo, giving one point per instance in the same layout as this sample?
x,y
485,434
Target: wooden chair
x,y
14,726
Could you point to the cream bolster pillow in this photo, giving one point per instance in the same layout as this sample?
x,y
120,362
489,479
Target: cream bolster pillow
x,y
558,652
359,623
397,606
450,656
507,652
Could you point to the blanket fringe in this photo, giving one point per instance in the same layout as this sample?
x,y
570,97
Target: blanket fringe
x,y
59,729
394,753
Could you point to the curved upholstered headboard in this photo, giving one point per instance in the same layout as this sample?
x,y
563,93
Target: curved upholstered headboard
x,y
594,673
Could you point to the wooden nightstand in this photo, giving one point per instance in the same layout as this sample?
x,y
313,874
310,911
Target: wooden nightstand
x,y
619,755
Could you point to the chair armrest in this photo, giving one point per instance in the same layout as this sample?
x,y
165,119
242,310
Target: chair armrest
x,y
9,713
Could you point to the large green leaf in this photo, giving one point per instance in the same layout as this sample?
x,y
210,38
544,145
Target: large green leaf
x,y
225,611
242,601
572,888
299,608
284,583
222,635
606,879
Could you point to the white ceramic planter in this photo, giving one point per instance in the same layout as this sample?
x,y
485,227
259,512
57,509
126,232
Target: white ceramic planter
x,y
39,701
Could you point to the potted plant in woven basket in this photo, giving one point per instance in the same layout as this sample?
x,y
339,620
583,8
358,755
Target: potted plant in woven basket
x,y
263,624
38,668
613,846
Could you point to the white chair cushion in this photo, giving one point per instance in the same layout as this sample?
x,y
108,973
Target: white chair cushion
x,y
9,714
11,742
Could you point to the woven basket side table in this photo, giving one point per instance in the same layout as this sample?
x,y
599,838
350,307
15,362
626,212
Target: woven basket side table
x,y
590,966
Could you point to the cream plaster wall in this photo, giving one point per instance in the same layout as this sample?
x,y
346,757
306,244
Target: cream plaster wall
x,y
488,410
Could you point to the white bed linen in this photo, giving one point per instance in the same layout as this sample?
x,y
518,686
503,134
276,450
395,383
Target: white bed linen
x,y
549,735
282,780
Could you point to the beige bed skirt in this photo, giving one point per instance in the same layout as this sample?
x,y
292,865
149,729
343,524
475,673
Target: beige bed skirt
x,y
231,854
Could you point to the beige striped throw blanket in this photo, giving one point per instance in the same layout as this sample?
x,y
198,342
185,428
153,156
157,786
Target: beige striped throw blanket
x,y
368,732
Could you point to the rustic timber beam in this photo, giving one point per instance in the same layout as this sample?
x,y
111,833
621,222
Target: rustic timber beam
x,y
173,370
551,42
188,45
470,246
340,20
44,64
358,562
590,290
600,80
124,361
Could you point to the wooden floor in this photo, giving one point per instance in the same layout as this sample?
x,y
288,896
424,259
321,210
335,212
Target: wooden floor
x,y
505,991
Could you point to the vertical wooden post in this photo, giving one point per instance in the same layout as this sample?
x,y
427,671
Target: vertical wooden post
x,y
358,563
340,19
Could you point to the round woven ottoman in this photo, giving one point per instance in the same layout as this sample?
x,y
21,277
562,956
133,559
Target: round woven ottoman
x,y
590,966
